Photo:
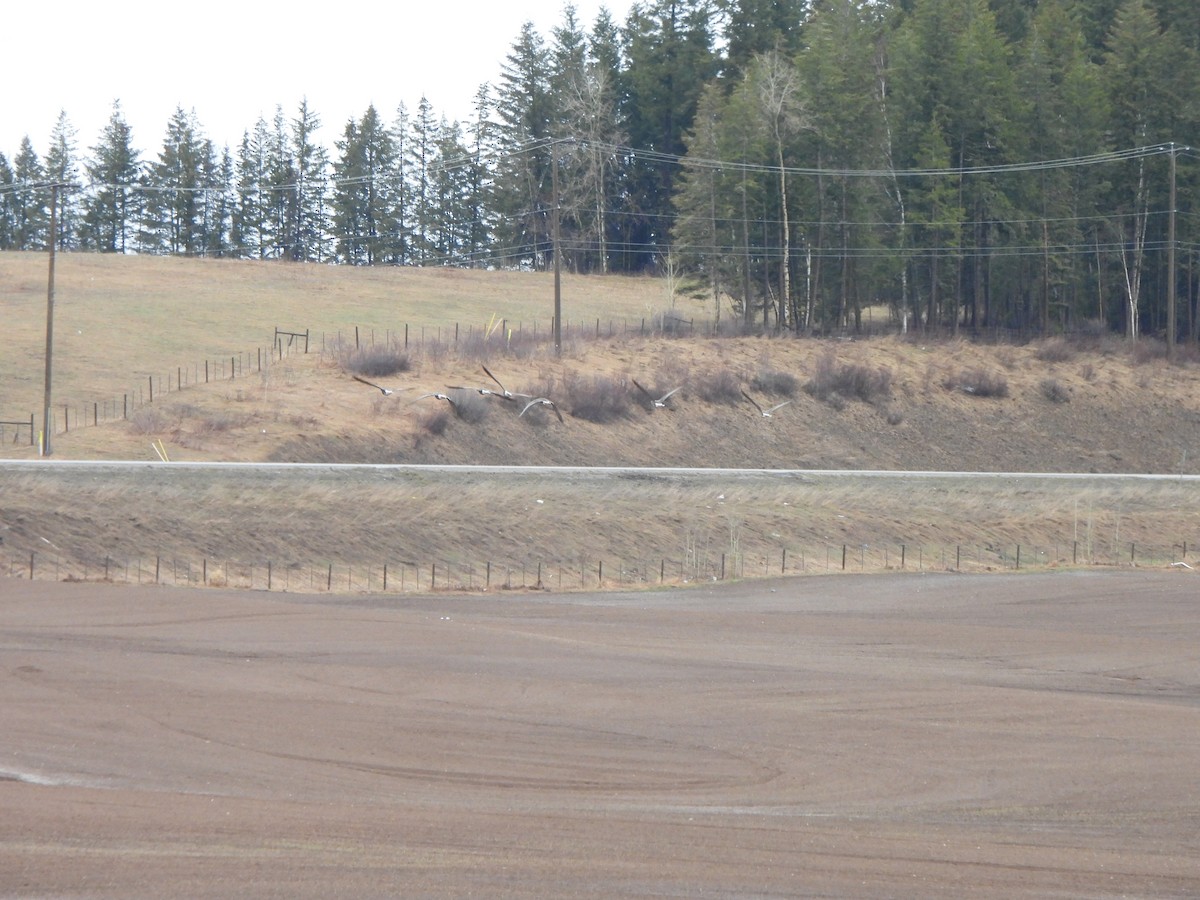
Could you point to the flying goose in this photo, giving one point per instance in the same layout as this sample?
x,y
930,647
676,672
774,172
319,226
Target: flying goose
x,y
765,413
542,401
485,392
659,403
387,392
504,392
440,396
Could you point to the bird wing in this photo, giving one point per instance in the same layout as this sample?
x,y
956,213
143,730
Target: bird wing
x,y
642,389
752,400
494,378
669,393
371,383
542,401
779,406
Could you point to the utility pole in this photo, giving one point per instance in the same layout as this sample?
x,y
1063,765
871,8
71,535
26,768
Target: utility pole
x,y
1171,264
50,319
556,249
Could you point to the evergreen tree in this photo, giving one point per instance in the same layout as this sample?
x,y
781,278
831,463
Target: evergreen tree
x,y
114,203
62,169
669,48
173,220
422,155
1064,118
30,200
363,199
590,133
481,147
307,212
756,27
251,213
840,68
522,173
1149,86
7,191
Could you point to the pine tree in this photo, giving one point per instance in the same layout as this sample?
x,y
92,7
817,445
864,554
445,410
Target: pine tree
x,y
114,204
251,213
30,200
308,231
363,199
669,48
522,173
173,220
7,191
422,154
62,169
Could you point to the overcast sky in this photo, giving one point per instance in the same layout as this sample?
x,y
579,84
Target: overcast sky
x,y
232,62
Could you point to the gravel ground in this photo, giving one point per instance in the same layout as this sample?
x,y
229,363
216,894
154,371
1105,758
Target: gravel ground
x,y
891,735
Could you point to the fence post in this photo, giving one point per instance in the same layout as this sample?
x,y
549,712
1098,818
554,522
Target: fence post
x,y
151,379
843,557
1018,556
329,579
31,554
157,568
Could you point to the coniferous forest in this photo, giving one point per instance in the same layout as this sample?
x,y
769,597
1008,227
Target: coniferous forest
x,y
969,164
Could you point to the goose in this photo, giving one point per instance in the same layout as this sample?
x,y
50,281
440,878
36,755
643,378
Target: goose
x,y
542,401
661,402
387,392
504,392
765,413
484,392
440,396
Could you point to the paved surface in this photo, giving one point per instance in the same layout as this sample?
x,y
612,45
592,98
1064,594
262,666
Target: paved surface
x,y
900,735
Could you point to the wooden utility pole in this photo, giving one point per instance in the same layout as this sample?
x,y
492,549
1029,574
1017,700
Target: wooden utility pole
x,y
556,250
50,320
1171,264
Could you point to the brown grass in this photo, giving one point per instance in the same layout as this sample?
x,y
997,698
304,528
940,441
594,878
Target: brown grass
x,y
1127,413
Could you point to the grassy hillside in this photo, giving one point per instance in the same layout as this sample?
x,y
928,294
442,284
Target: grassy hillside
x,y
894,403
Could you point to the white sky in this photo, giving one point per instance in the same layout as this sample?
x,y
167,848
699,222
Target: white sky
x,y
154,56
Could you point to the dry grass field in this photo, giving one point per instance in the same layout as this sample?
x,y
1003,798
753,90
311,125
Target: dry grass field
x,y
887,403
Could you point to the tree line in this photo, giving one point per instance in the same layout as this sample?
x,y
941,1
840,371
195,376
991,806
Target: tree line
x,y
967,163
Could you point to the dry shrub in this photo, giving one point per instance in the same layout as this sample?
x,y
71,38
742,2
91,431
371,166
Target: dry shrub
x,y
718,386
374,361
599,399
1054,390
470,406
1147,350
149,420
1055,350
978,383
769,380
835,382
436,421
220,422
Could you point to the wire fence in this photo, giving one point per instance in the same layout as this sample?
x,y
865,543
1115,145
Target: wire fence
x,y
583,575
501,336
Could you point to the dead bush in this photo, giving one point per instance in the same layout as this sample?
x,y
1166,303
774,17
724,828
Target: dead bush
x,y
774,381
470,406
599,399
1055,391
718,386
436,421
835,381
374,361
978,383
1055,350
149,420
